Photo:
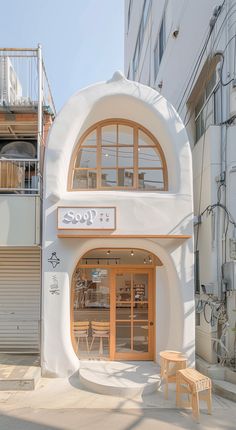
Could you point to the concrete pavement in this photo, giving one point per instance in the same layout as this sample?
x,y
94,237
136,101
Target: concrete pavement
x,y
63,404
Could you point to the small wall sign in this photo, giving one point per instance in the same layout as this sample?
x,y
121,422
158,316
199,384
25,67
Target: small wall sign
x,y
86,218
54,260
54,286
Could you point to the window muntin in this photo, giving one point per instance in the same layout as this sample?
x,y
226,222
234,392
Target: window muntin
x,y
123,155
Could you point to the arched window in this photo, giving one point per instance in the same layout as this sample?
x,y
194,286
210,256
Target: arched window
x,y
118,154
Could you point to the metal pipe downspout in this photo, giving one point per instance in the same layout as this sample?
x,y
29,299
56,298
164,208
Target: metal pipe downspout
x,y
40,104
39,142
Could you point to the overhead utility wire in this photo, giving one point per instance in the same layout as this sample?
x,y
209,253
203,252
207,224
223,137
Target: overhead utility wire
x,y
224,84
198,62
221,81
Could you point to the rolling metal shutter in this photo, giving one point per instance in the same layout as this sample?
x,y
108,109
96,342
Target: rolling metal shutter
x,y
19,299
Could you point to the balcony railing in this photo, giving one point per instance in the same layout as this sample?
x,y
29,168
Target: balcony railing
x,y
23,79
19,176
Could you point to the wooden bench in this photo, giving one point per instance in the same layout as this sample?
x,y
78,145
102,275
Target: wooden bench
x,y
192,382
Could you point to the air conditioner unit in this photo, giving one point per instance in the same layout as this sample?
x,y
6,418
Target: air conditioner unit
x,y
10,87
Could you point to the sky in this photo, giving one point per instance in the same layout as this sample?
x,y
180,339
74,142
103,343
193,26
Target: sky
x,y
82,40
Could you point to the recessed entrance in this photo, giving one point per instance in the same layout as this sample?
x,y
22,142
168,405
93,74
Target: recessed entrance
x,y
113,305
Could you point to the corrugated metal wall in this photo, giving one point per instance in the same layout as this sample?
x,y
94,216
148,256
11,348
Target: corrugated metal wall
x,y
19,299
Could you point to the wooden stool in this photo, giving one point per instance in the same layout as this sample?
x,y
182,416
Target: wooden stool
x,y
171,362
192,382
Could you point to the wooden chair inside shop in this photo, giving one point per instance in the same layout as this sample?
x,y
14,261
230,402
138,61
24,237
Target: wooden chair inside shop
x,y
100,330
81,331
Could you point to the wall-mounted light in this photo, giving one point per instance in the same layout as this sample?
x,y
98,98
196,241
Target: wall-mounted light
x,y
108,252
144,261
132,253
149,259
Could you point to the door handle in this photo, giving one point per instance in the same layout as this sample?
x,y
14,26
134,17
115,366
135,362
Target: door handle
x,y
151,323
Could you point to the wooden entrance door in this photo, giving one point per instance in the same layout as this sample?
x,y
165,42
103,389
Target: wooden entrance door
x,y
132,318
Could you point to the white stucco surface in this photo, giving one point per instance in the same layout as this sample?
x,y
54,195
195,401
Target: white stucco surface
x,y
138,213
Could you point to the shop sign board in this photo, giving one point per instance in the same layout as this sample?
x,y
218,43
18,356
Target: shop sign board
x,y
86,218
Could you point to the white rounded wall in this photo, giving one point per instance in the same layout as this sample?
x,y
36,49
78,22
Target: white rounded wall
x,y
138,214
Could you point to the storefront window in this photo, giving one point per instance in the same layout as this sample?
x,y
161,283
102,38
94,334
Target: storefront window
x,y
118,155
112,304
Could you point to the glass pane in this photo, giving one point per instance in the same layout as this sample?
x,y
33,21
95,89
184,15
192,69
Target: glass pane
x,y
125,157
151,179
91,326
211,84
149,157
125,135
123,287
140,311
123,336
109,178
140,337
125,177
109,135
84,179
144,139
87,157
199,105
123,311
140,287
108,157
91,139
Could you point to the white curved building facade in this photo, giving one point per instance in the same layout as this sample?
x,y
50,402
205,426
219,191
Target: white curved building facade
x,y
133,279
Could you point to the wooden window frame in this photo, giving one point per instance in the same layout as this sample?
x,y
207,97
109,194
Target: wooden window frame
x,y
136,128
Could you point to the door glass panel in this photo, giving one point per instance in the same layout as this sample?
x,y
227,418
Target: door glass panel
x,y
140,343
132,313
140,287
123,287
123,337
140,311
91,327
123,311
